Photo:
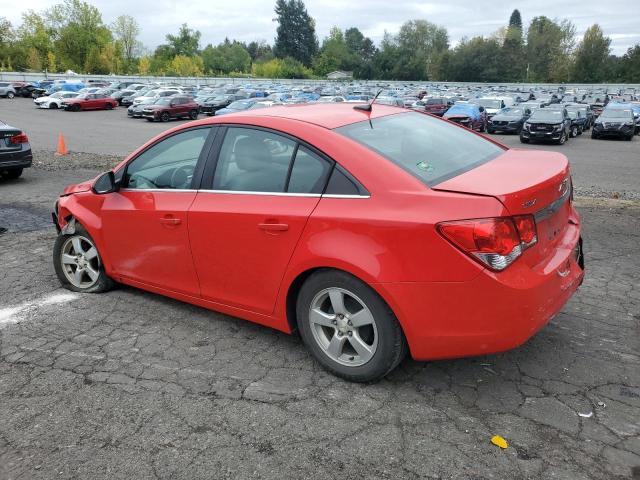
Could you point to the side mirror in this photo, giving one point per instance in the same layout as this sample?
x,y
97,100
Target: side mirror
x,y
106,183
481,109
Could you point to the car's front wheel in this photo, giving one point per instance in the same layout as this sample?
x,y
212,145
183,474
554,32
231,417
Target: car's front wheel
x,y
165,117
348,328
573,132
523,139
78,264
193,115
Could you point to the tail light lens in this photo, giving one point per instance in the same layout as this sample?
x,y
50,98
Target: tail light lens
x,y
18,139
494,242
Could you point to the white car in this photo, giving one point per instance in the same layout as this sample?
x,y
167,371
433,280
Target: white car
x,y
55,100
156,94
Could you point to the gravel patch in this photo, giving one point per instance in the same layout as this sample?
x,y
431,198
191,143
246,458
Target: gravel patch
x,y
48,160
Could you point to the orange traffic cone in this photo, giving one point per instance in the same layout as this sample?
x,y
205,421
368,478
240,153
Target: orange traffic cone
x,y
62,147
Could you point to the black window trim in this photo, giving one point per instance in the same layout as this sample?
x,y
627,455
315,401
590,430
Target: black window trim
x,y
197,172
206,182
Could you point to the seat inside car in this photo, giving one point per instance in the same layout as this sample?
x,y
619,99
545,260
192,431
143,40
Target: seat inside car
x,y
257,171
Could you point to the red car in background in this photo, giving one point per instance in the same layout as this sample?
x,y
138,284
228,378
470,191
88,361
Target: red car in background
x,y
90,101
370,230
436,106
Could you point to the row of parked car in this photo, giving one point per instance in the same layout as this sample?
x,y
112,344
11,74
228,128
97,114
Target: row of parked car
x,y
534,114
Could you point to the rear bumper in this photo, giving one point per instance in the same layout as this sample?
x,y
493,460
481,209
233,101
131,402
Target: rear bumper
x,y
492,313
18,159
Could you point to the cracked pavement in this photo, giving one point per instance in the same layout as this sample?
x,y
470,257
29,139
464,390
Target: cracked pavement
x,y
130,384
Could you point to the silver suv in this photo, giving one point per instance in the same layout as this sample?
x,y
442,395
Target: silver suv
x,y
7,90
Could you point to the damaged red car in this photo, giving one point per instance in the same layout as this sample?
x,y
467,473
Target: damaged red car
x,y
372,231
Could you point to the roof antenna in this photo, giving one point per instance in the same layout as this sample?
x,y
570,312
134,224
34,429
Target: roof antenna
x,y
368,106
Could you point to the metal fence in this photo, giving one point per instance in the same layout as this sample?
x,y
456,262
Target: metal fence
x,y
34,77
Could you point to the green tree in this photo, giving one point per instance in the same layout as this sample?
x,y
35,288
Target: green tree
x,y
186,43
126,30
296,33
184,66
630,65
226,58
592,56
513,53
260,51
334,54
475,60
549,50
79,33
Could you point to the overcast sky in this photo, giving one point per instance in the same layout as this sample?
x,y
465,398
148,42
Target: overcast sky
x,y
248,20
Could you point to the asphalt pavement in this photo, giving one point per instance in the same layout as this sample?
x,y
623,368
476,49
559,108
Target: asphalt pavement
x,y
130,384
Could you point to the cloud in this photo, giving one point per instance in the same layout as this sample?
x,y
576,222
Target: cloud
x,y
248,20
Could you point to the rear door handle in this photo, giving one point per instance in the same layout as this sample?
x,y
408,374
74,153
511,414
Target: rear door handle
x,y
274,227
169,220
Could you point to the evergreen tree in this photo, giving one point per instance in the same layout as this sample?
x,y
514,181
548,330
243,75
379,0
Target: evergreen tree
x,y
515,21
296,33
513,57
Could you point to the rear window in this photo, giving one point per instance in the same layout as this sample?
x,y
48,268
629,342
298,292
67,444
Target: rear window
x,y
428,148
435,101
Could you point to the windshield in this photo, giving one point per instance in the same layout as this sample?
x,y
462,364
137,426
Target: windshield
x,y
512,111
488,103
426,147
616,113
544,115
240,105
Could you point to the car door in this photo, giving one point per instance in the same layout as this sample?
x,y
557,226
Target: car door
x,y
249,215
145,222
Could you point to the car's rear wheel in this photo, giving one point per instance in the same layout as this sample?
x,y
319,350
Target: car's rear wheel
x,y
165,117
574,132
10,95
348,328
77,263
12,174
193,115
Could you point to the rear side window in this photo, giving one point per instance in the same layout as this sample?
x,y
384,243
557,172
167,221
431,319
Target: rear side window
x,y
309,172
428,148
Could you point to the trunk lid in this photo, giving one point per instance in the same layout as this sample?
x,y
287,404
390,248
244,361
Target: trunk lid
x,y
525,182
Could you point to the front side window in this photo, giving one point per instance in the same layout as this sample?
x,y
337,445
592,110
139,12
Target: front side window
x,y
428,148
253,161
169,164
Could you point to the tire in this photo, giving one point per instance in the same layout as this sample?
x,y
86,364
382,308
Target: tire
x,y
75,108
53,106
573,132
10,95
109,106
490,130
563,138
12,174
150,120
380,340
593,135
523,140
165,117
629,138
66,270
193,114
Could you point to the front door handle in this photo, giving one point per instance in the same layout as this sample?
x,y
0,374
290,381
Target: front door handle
x,y
169,220
273,227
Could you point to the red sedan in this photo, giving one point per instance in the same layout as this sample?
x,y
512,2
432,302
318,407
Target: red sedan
x,y
369,232
90,101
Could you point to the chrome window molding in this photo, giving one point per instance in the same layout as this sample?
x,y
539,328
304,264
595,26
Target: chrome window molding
x,y
238,192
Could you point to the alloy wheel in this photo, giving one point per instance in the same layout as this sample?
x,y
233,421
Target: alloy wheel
x,y
80,261
343,327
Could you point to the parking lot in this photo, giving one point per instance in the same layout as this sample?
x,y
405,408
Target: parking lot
x,y
133,385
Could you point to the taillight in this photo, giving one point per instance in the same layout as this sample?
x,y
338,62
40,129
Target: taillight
x,y
494,242
18,139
